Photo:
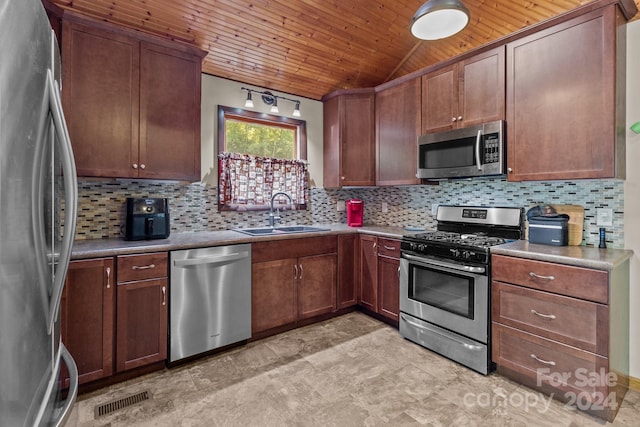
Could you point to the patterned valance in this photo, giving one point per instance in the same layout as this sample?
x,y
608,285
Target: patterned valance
x,y
247,182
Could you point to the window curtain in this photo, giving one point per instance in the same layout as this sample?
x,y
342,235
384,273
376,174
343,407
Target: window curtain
x,y
247,182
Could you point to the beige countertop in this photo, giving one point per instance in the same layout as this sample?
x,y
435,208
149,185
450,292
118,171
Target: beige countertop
x,y
83,249
580,256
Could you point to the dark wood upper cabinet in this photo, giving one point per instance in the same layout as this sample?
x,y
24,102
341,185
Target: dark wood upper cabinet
x,y
132,106
565,103
398,118
349,143
468,92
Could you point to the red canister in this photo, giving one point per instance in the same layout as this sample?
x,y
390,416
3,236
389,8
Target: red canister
x,y
355,212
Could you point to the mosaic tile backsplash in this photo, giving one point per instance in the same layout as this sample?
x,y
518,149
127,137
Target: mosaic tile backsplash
x,y
193,207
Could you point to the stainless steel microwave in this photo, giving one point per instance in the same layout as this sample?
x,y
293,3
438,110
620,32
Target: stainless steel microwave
x,y
463,153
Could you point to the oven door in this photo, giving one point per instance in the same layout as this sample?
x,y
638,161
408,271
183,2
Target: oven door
x,y
445,293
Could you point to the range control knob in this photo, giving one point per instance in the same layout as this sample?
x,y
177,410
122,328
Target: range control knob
x,y
467,254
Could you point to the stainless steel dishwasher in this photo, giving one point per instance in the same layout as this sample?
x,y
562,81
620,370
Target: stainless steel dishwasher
x,y
210,299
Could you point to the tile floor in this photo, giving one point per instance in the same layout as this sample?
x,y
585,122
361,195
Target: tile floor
x,y
348,371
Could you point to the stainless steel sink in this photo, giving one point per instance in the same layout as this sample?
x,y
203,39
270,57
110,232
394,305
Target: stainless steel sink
x,y
264,231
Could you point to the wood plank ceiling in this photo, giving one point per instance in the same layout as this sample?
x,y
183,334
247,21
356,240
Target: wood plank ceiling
x,y
309,48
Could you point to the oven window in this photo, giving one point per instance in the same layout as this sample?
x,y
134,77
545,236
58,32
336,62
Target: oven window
x,y
450,154
447,291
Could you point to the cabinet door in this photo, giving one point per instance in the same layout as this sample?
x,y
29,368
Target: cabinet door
x,y
357,152
316,285
349,143
369,272
347,294
141,323
398,118
482,88
561,100
100,98
169,114
389,287
273,294
440,99
87,313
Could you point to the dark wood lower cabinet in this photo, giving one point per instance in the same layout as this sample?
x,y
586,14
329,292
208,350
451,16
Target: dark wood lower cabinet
x,y
389,287
379,280
87,313
368,272
348,270
273,294
292,280
141,323
316,285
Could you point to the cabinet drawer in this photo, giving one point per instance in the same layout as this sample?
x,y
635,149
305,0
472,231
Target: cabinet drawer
x,y
561,279
142,267
545,362
389,247
571,321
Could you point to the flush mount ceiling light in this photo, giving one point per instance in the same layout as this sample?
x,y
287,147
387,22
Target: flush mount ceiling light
x,y
270,99
438,19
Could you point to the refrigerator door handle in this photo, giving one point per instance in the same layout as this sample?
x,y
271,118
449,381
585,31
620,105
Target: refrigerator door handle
x,y
73,387
70,197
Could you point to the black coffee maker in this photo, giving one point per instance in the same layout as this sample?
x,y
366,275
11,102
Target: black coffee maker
x,y
147,219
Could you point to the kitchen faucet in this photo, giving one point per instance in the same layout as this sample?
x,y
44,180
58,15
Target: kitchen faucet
x,y
273,218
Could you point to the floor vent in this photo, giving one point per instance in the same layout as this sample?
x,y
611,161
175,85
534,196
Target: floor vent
x,y
116,405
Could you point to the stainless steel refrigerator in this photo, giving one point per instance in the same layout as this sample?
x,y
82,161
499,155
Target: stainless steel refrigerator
x,y
38,198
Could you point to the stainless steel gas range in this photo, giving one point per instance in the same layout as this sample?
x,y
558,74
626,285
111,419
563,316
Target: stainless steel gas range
x,y
445,278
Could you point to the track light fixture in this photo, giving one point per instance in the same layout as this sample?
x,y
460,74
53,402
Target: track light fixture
x,y
249,102
270,99
438,19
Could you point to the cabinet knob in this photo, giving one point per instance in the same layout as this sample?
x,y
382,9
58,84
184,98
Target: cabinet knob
x,y
142,166
459,118
454,119
135,166
509,170
342,177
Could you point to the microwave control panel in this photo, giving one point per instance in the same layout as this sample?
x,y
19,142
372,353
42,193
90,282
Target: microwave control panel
x,y
491,148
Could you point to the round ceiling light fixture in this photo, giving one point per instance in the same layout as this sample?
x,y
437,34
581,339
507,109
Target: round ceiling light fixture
x,y
438,19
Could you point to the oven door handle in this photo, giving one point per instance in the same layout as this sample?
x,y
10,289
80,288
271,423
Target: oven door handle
x,y
449,337
433,262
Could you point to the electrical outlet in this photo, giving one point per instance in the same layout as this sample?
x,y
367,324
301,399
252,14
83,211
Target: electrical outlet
x,y
604,217
385,207
434,209
340,206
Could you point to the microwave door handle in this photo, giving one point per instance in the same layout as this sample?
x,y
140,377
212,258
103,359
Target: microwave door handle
x,y
478,160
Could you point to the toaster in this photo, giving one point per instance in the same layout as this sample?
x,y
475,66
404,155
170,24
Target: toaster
x,y
147,219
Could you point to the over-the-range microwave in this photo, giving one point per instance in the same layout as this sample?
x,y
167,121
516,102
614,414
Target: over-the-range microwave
x,y
463,153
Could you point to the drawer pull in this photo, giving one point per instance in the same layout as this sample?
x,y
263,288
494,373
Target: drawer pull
x,y
546,362
546,316
537,276
143,267
389,248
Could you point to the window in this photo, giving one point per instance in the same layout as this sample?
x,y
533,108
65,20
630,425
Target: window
x,y
260,155
259,134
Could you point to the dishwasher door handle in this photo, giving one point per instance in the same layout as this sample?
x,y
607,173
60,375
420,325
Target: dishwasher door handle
x,y
211,260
